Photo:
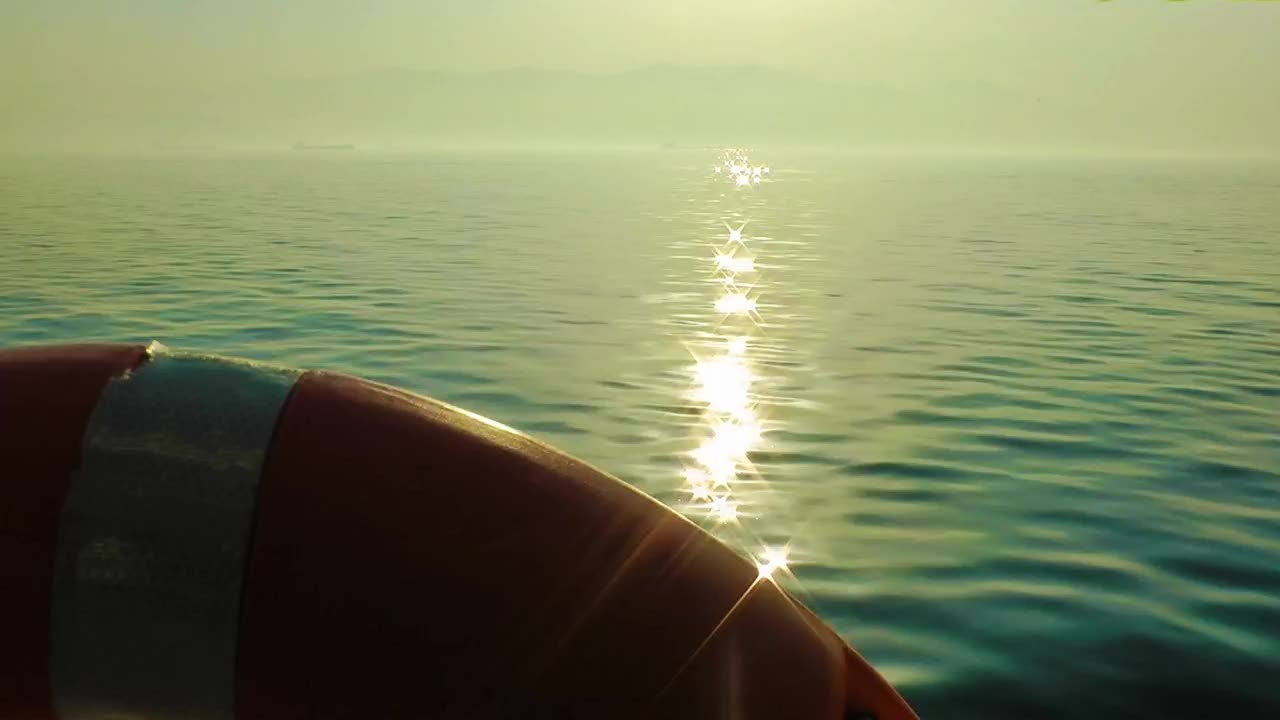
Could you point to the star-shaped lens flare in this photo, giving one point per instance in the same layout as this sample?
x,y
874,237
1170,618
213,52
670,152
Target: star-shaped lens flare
x,y
771,561
723,510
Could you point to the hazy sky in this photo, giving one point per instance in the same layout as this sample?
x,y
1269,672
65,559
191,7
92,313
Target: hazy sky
x,y
1216,61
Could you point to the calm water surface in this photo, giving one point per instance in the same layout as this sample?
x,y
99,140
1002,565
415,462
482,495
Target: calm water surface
x,y
1021,416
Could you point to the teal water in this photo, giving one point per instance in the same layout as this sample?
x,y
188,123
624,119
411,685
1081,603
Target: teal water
x,y
1021,415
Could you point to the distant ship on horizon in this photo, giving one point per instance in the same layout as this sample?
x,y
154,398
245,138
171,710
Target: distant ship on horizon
x,y
308,146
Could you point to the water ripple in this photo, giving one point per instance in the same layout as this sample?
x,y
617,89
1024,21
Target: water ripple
x,y
1020,417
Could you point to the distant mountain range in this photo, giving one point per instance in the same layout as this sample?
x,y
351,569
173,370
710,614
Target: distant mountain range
x,y
659,104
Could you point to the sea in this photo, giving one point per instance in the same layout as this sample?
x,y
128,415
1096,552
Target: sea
x,y
1012,419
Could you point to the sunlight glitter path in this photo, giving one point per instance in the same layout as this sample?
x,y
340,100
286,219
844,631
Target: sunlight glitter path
x,y
732,426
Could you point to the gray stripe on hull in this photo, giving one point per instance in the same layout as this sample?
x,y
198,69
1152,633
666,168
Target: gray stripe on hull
x,y
154,534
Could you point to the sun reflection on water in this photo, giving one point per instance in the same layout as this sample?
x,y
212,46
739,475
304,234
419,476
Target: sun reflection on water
x,y
718,472
719,476
735,303
723,383
731,263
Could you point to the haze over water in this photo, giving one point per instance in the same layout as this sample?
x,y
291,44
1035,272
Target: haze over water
x,y
994,354
1060,75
